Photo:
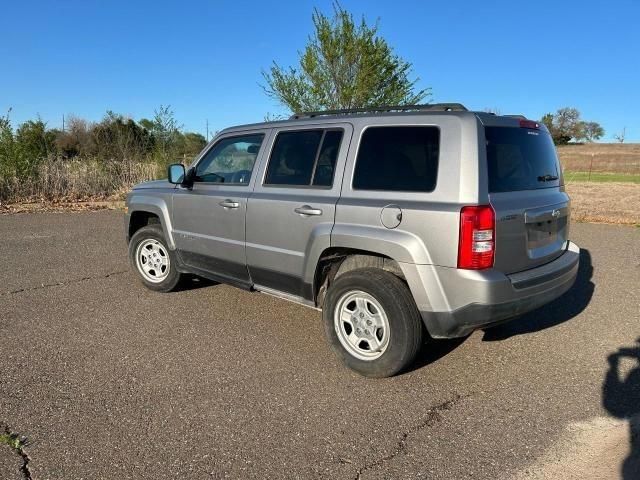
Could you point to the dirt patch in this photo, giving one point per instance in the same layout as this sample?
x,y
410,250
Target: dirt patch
x,y
605,202
596,450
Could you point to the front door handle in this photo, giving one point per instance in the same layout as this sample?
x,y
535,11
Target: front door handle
x,y
307,210
229,204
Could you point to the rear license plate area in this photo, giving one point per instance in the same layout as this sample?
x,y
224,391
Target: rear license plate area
x,y
541,234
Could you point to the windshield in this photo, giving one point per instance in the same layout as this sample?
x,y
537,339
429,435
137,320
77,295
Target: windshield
x,y
520,159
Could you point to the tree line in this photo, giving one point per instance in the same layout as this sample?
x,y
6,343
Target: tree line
x,y
116,138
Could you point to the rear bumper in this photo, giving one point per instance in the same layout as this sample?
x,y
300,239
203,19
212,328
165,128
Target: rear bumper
x,y
469,300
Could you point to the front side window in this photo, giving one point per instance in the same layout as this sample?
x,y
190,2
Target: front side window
x,y
304,158
398,159
230,161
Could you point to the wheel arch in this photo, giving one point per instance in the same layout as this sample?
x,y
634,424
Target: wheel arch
x,y
336,261
145,210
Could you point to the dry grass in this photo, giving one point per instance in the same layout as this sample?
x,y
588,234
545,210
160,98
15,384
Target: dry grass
x,y
65,181
605,202
601,157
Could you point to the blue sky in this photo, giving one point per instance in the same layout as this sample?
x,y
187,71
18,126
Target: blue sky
x,y
204,58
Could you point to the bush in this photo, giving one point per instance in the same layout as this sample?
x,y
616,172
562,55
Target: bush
x,y
89,160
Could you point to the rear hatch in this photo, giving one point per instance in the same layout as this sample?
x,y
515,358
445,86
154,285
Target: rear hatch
x,y
527,194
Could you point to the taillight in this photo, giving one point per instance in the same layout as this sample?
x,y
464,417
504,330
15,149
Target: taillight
x,y
477,245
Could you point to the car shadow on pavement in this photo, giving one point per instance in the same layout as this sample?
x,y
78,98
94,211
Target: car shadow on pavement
x,y
193,282
433,350
560,310
621,399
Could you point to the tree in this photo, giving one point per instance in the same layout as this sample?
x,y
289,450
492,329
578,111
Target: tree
x,y
620,136
7,146
120,138
344,65
592,131
193,143
75,140
33,143
165,131
547,120
566,125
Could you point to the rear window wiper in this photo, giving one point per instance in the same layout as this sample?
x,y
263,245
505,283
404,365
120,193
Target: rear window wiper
x,y
547,178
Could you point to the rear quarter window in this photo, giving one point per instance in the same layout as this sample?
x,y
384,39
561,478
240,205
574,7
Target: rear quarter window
x,y
520,159
398,159
304,158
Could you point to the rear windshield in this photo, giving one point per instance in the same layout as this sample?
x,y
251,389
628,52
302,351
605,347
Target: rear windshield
x,y
520,159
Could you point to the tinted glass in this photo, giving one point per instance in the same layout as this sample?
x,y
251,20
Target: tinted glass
x,y
326,164
520,159
398,159
293,157
230,160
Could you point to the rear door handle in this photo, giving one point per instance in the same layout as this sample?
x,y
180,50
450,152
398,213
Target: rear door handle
x,y
307,210
229,204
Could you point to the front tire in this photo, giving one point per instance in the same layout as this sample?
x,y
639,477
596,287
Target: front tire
x,y
372,323
156,265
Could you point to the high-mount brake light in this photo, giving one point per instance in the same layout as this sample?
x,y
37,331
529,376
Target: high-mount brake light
x,y
529,124
476,248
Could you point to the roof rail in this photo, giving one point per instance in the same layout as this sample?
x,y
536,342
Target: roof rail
x,y
443,107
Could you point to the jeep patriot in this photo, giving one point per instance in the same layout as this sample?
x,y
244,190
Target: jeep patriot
x,y
395,222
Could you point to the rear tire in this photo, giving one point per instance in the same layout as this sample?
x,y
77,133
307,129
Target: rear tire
x,y
372,323
156,265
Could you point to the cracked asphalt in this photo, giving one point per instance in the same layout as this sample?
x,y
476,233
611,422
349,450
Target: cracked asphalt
x,y
10,464
109,380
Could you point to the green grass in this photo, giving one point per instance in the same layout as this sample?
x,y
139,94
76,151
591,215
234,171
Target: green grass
x,y
10,439
570,176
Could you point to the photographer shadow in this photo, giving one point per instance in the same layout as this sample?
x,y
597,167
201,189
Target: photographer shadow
x,y
621,398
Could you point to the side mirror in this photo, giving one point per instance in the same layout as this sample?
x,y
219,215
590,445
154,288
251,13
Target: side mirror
x,y
176,173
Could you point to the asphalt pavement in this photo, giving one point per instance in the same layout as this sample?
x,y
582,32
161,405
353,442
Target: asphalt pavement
x,y
106,379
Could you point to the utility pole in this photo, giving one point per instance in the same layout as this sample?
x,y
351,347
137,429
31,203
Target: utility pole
x,y
207,130
63,122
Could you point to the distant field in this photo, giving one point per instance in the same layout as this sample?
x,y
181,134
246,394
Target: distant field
x,y
613,158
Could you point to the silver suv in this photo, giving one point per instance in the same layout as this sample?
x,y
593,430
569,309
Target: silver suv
x,y
395,222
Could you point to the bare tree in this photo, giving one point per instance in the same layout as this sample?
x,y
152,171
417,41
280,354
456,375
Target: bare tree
x,y
620,136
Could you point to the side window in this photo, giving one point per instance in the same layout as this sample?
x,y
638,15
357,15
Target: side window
x,y
304,158
326,163
230,160
398,159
